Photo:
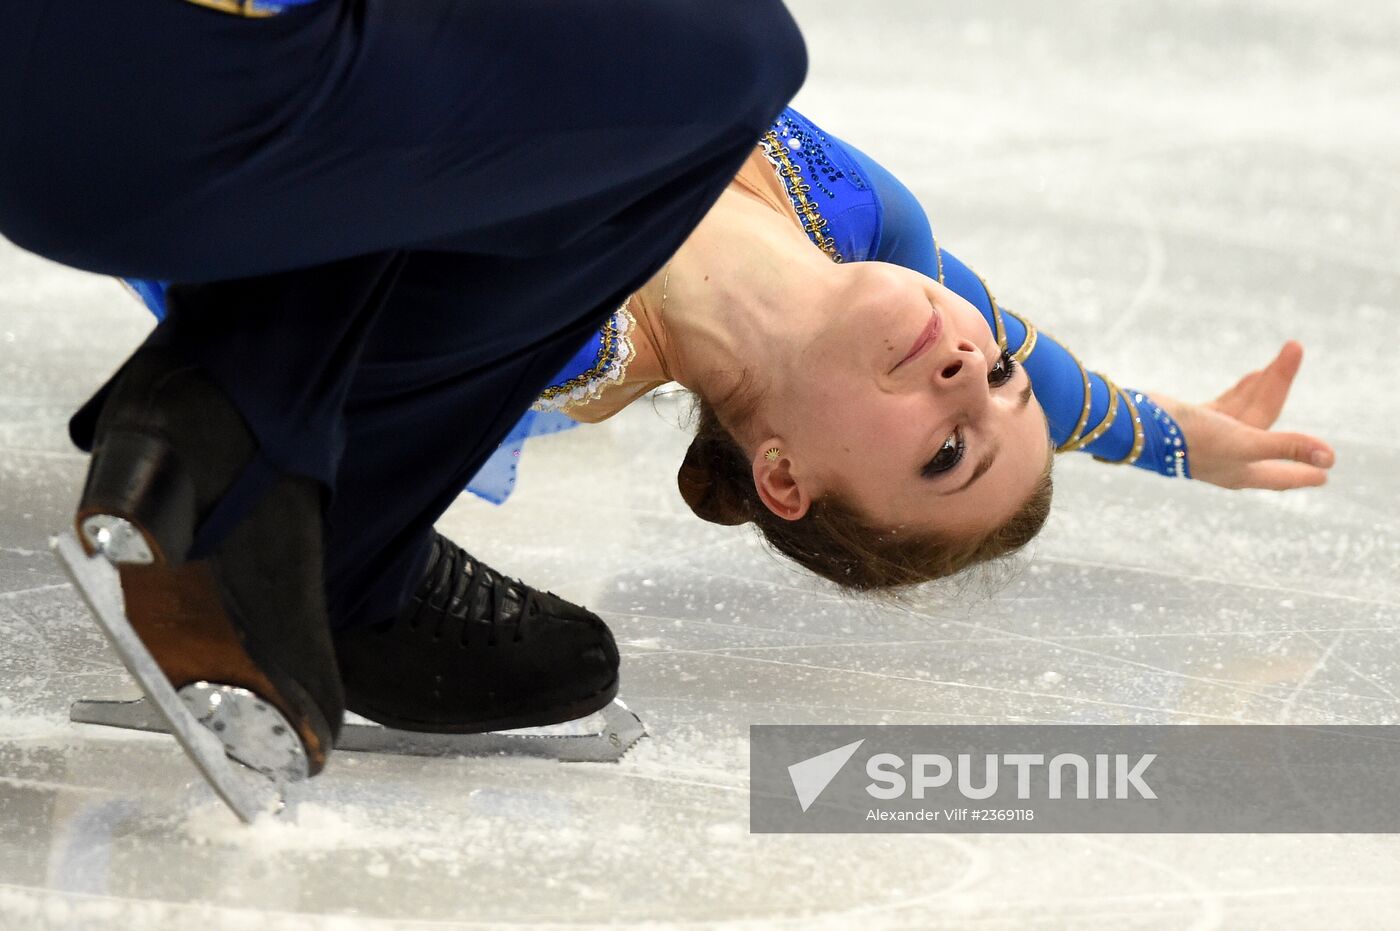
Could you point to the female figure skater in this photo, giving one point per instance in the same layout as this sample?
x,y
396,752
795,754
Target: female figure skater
x,y
864,400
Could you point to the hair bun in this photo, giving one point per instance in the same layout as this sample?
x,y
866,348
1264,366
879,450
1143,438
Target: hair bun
x,y
708,488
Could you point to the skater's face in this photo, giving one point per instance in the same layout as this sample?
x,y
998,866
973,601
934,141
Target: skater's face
x,y
904,403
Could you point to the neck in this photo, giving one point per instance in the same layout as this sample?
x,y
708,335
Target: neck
x,y
734,298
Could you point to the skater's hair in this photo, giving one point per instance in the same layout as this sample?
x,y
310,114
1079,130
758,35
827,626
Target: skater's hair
x,y
833,539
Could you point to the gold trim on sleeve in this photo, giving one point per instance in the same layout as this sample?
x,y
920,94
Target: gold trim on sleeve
x,y
1074,435
1027,344
1138,436
1109,418
996,310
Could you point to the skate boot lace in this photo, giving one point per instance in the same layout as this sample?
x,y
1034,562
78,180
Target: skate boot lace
x,y
465,591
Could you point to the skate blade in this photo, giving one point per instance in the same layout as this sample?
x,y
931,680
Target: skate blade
x,y
247,792
601,737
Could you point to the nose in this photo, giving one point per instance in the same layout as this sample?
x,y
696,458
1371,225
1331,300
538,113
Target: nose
x,y
962,374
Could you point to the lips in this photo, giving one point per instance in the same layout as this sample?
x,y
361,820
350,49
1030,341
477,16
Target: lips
x,y
927,337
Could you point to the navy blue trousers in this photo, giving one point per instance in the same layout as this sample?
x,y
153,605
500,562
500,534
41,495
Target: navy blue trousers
x,y
391,220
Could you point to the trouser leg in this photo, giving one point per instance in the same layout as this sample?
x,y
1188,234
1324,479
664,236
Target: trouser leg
x,y
432,398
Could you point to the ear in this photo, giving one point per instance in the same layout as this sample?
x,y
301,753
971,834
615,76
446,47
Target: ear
x,y
778,486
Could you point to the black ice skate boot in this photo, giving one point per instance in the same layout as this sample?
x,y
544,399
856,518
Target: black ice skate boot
x,y
475,651
220,564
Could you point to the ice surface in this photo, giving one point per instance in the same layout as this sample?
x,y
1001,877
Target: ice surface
x,y
1172,190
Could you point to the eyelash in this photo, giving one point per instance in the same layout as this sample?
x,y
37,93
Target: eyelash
x,y
939,463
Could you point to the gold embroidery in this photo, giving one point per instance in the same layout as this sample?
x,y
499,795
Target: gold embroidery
x,y
807,210
609,366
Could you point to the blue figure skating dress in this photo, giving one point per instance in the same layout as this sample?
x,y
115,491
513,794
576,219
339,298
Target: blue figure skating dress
x,y
856,211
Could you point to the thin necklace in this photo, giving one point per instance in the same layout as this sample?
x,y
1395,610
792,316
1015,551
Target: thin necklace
x,y
651,321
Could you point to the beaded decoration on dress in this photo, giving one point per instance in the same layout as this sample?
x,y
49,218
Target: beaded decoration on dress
x,y
790,174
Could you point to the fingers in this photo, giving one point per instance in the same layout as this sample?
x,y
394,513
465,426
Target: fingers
x,y
1286,363
1262,394
1238,394
1284,367
1280,475
1279,373
1286,460
1258,397
1298,447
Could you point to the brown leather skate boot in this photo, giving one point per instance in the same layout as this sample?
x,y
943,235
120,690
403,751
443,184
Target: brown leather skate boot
x,y
220,563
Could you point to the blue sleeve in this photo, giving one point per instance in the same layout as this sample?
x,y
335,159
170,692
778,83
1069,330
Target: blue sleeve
x,y
1086,410
903,235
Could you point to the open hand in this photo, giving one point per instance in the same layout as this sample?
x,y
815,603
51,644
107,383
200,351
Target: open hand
x,y
1229,441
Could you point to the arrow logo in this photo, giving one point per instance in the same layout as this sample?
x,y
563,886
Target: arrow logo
x,y
810,777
